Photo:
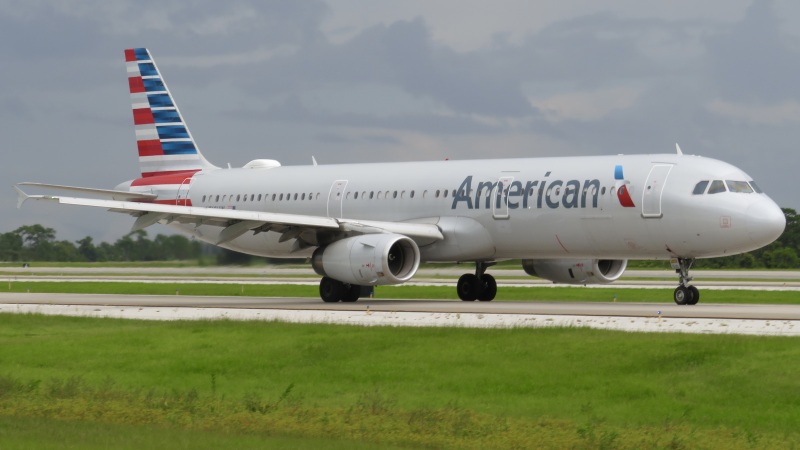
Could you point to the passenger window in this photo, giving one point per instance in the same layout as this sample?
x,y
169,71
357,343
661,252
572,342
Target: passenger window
x,y
717,186
412,194
394,194
740,187
700,188
437,193
756,188
259,197
217,198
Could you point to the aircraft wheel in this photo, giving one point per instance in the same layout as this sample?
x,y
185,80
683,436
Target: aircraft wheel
x,y
489,290
330,290
695,295
352,292
469,286
683,295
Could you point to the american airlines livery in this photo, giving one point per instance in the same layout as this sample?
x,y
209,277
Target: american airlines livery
x,y
570,220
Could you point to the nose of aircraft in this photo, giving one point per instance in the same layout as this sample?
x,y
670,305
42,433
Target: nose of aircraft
x,y
765,221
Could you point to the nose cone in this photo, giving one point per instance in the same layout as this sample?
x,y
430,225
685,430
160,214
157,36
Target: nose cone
x,y
765,222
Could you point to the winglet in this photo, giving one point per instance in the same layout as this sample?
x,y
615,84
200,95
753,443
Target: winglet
x,y
678,148
21,196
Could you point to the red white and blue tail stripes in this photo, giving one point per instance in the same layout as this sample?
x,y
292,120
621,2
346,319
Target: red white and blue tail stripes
x,y
165,145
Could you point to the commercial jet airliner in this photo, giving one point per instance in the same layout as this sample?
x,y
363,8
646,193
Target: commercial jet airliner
x,y
574,220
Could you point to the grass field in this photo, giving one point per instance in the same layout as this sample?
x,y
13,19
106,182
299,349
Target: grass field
x,y
84,383
578,293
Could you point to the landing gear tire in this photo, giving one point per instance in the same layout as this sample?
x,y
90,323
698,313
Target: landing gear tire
x,y
489,288
330,290
352,293
469,287
695,295
684,295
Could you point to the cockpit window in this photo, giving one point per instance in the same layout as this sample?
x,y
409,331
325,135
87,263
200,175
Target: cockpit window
x,y
700,188
739,187
717,186
756,188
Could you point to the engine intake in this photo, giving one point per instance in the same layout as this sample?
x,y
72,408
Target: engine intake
x,y
370,259
576,271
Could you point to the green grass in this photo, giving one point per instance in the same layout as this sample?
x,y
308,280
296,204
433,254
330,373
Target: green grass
x,y
539,293
44,433
431,387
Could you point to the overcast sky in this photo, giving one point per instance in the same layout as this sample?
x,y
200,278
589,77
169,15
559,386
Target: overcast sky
x,y
367,81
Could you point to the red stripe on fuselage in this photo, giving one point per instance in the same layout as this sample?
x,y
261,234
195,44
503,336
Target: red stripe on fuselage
x,y
136,85
181,202
168,177
143,116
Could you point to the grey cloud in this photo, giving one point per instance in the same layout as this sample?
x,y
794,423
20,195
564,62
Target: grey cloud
x,y
404,55
293,110
754,61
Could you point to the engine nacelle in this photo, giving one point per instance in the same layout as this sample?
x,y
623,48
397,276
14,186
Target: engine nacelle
x,y
369,259
576,271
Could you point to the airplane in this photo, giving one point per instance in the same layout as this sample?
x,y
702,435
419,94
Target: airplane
x,y
574,220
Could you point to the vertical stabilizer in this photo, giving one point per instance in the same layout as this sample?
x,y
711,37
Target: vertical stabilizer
x,y
164,142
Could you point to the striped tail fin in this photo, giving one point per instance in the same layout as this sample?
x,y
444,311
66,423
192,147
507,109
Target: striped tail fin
x,y
166,146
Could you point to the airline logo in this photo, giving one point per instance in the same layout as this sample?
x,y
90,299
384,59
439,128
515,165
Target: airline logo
x,y
621,185
164,143
544,193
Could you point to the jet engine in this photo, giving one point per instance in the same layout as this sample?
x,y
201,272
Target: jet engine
x,y
576,271
369,259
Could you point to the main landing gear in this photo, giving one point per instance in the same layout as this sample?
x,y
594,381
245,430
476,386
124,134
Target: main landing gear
x,y
478,286
684,293
333,291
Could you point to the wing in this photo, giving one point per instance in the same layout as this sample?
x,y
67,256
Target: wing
x,y
235,223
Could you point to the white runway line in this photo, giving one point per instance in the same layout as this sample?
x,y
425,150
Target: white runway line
x,y
422,319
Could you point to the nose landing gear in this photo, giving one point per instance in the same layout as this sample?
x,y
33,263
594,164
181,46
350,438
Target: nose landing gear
x,y
684,293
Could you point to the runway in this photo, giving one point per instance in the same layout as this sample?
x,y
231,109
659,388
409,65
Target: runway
x,y
781,320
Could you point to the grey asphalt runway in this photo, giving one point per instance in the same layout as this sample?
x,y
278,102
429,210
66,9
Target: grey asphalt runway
x,y
646,310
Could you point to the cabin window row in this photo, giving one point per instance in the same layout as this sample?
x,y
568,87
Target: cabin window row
x,y
355,195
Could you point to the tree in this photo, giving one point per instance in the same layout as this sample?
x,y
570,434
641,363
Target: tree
x,y
10,246
87,249
38,242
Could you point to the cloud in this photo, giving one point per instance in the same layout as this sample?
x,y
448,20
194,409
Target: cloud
x,y
784,113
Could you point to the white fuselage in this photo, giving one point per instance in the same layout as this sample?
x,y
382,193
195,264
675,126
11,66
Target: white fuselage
x,y
509,208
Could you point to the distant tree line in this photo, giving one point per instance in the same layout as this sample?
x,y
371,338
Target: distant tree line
x,y
38,243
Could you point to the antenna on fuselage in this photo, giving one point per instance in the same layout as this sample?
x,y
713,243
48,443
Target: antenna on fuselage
x,y
678,148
